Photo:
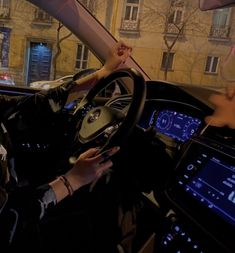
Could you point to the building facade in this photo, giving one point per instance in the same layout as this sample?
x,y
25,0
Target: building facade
x,y
34,46
172,40
175,41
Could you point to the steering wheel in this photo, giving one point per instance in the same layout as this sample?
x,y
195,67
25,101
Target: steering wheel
x,y
106,121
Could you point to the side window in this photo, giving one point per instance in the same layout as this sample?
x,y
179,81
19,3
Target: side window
x,y
82,57
211,64
167,61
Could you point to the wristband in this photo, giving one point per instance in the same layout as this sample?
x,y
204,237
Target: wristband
x,y
67,184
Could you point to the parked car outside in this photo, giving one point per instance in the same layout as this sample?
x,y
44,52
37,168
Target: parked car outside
x,y
6,77
48,84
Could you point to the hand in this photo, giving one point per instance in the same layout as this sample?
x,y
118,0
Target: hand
x,y
230,91
223,114
117,55
89,167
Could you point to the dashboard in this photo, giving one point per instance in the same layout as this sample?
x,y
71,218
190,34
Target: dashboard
x,y
201,193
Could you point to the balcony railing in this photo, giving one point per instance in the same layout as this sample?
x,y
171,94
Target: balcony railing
x,y
173,30
221,33
130,26
4,12
42,18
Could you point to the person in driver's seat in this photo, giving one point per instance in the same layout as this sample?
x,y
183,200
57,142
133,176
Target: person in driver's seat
x,y
18,204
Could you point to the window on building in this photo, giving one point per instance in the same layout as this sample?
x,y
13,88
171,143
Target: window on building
x,y
167,61
131,10
130,20
176,17
42,16
4,3
221,17
176,12
4,8
211,64
220,27
82,57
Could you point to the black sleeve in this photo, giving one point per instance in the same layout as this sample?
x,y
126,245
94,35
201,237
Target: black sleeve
x,y
20,216
56,98
37,109
8,102
30,203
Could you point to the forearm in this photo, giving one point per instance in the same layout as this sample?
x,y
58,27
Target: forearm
x,y
87,82
60,189
65,185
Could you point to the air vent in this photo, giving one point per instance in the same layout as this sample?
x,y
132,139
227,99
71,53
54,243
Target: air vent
x,y
120,104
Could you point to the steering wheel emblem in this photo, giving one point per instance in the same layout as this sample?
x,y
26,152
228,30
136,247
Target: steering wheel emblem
x,y
94,116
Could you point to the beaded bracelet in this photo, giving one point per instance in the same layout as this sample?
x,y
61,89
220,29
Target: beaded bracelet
x,y
67,184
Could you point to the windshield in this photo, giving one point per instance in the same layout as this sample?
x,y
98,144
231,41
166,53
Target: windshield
x,y
172,40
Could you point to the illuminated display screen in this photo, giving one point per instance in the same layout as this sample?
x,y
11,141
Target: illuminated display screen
x,y
214,187
177,125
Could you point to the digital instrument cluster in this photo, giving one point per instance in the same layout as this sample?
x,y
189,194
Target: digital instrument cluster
x,y
176,125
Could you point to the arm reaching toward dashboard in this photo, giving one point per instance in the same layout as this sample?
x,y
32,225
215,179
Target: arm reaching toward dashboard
x,y
224,113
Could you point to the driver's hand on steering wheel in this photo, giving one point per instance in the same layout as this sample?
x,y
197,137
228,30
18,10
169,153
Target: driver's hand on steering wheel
x,y
89,167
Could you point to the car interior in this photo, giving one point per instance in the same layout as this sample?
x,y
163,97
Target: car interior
x,y
172,186
166,149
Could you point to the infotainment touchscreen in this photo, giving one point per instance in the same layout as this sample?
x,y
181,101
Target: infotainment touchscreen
x,y
214,186
203,189
206,181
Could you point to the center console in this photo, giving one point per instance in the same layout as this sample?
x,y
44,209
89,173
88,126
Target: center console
x,y
203,194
